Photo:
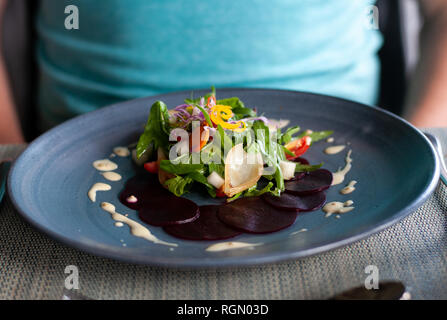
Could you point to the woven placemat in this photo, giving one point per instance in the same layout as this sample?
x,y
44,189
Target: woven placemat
x,y
413,251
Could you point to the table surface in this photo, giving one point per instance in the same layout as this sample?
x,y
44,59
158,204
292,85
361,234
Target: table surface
x,y
414,251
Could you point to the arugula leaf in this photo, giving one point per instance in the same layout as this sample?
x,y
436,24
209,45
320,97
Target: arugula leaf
x,y
280,151
180,168
217,168
271,151
156,130
286,137
179,185
288,152
236,196
262,133
273,160
238,108
307,168
227,143
199,177
254,192
317,135
279,179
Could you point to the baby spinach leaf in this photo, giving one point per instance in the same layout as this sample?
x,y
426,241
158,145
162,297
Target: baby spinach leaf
x,y
156,130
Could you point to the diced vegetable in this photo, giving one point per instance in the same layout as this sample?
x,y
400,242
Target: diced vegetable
x,y
288,169
151,167
298,147
220,193
216,180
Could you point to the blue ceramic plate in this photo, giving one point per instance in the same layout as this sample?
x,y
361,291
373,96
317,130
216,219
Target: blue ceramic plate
x,y
394,164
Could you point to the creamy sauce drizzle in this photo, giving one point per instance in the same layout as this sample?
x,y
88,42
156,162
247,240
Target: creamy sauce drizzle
x,y
349,188
334,149
111,176
105,165
121,151
222,246
339,176
97,187
299,231
136,229
131,199
338,207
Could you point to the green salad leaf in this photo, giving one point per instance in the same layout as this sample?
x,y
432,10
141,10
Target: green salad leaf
x,y
254,192
286,137
238,108
179,185
317,135
219,168
227,143
181,168
200,177
185,175
307,168
156,130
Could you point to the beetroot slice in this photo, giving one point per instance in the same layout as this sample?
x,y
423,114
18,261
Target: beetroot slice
x,y
145,187
253,216
312,182
292,202
169,210
298,176
206,227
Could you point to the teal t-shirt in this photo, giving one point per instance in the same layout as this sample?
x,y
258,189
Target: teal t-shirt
x,y
126,49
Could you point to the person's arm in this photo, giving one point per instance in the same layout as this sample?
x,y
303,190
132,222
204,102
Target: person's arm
x,y
10,131
427,98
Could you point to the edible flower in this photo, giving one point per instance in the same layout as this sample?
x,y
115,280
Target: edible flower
x,y
220,114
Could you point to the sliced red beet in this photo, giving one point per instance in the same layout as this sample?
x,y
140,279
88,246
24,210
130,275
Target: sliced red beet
x,y
170,210
206,227
298,176
312,182
144,188
253,216
291,202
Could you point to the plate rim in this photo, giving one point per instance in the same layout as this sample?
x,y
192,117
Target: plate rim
x,y
227,262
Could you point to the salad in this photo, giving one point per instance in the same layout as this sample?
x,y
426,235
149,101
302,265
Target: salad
x,y
224,148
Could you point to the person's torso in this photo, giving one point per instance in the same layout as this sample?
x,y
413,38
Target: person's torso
x,y
126,49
